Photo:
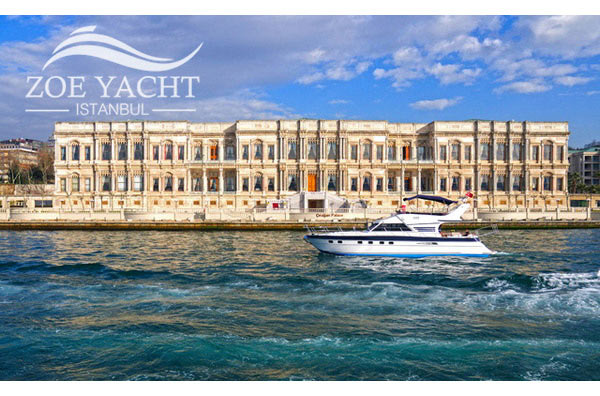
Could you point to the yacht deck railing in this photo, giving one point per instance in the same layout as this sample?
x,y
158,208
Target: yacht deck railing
x,y
322,229
488,230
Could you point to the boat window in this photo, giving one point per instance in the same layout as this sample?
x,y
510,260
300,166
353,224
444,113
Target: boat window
x,y
359,241
381,243
330,241
425,229
339,241
370,242
391,243
394,227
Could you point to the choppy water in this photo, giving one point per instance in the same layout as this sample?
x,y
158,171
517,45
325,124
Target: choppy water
x,y
266,305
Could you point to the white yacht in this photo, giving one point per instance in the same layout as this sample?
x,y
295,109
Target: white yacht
x,y
405,235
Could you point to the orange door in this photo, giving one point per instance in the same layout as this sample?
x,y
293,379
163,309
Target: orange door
x,y
213,153
312,182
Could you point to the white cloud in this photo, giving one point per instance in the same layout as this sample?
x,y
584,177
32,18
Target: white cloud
x,y
452,73
244,104
512,69
407,56
569,81
568,36
362,67
339,72
311,78
338,101
524,87
315,56
435,104
401,76
469,47
447,74
344,71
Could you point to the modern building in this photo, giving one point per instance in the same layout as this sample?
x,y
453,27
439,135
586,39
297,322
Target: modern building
x,y
156,165
586,162
22,151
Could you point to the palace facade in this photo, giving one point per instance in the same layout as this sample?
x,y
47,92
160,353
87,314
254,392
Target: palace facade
x,y
152,165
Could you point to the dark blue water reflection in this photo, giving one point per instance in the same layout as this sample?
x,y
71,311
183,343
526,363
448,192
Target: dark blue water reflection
x,y
265,305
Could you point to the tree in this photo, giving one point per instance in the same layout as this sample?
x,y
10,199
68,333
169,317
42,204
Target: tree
x,y
575,183
26,173
45,165
15,170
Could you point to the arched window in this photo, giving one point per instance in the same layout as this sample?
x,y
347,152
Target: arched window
x,y
258,182
197,151
122,151
230,151
313,150
258,150
367,179
168,182
485,182
75,151
75,186
292,182
455,151
332,149
455,183
548,154
168,151
332,182
366,150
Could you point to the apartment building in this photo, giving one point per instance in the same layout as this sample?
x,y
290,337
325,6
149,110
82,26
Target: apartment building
x,y
586,162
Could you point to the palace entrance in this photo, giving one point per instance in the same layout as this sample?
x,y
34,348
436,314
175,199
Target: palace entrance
x,y
312,182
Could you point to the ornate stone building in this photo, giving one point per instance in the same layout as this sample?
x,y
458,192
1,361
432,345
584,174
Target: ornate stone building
x,y
155,165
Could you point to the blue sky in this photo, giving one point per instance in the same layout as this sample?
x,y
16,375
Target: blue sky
x,y
401,69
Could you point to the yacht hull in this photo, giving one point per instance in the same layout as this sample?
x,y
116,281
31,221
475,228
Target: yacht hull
x,y
398,246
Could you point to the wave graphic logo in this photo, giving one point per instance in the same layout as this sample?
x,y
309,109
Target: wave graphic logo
x,y
125,55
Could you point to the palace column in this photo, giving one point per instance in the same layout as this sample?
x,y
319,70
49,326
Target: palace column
x,y
187,185
221,181
400,182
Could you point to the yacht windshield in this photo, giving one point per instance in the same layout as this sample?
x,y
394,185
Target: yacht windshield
x,y
373,226
379,227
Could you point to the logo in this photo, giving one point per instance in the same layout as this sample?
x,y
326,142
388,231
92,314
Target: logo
x,y
112,95
126,55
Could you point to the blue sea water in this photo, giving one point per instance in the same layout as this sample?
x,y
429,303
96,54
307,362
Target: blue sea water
x,y
267,306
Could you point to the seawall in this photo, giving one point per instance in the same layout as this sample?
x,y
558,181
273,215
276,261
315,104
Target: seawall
x,y
263,226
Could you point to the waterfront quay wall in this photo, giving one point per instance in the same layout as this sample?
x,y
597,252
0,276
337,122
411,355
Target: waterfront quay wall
x,y
264,226
52,219
280,215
